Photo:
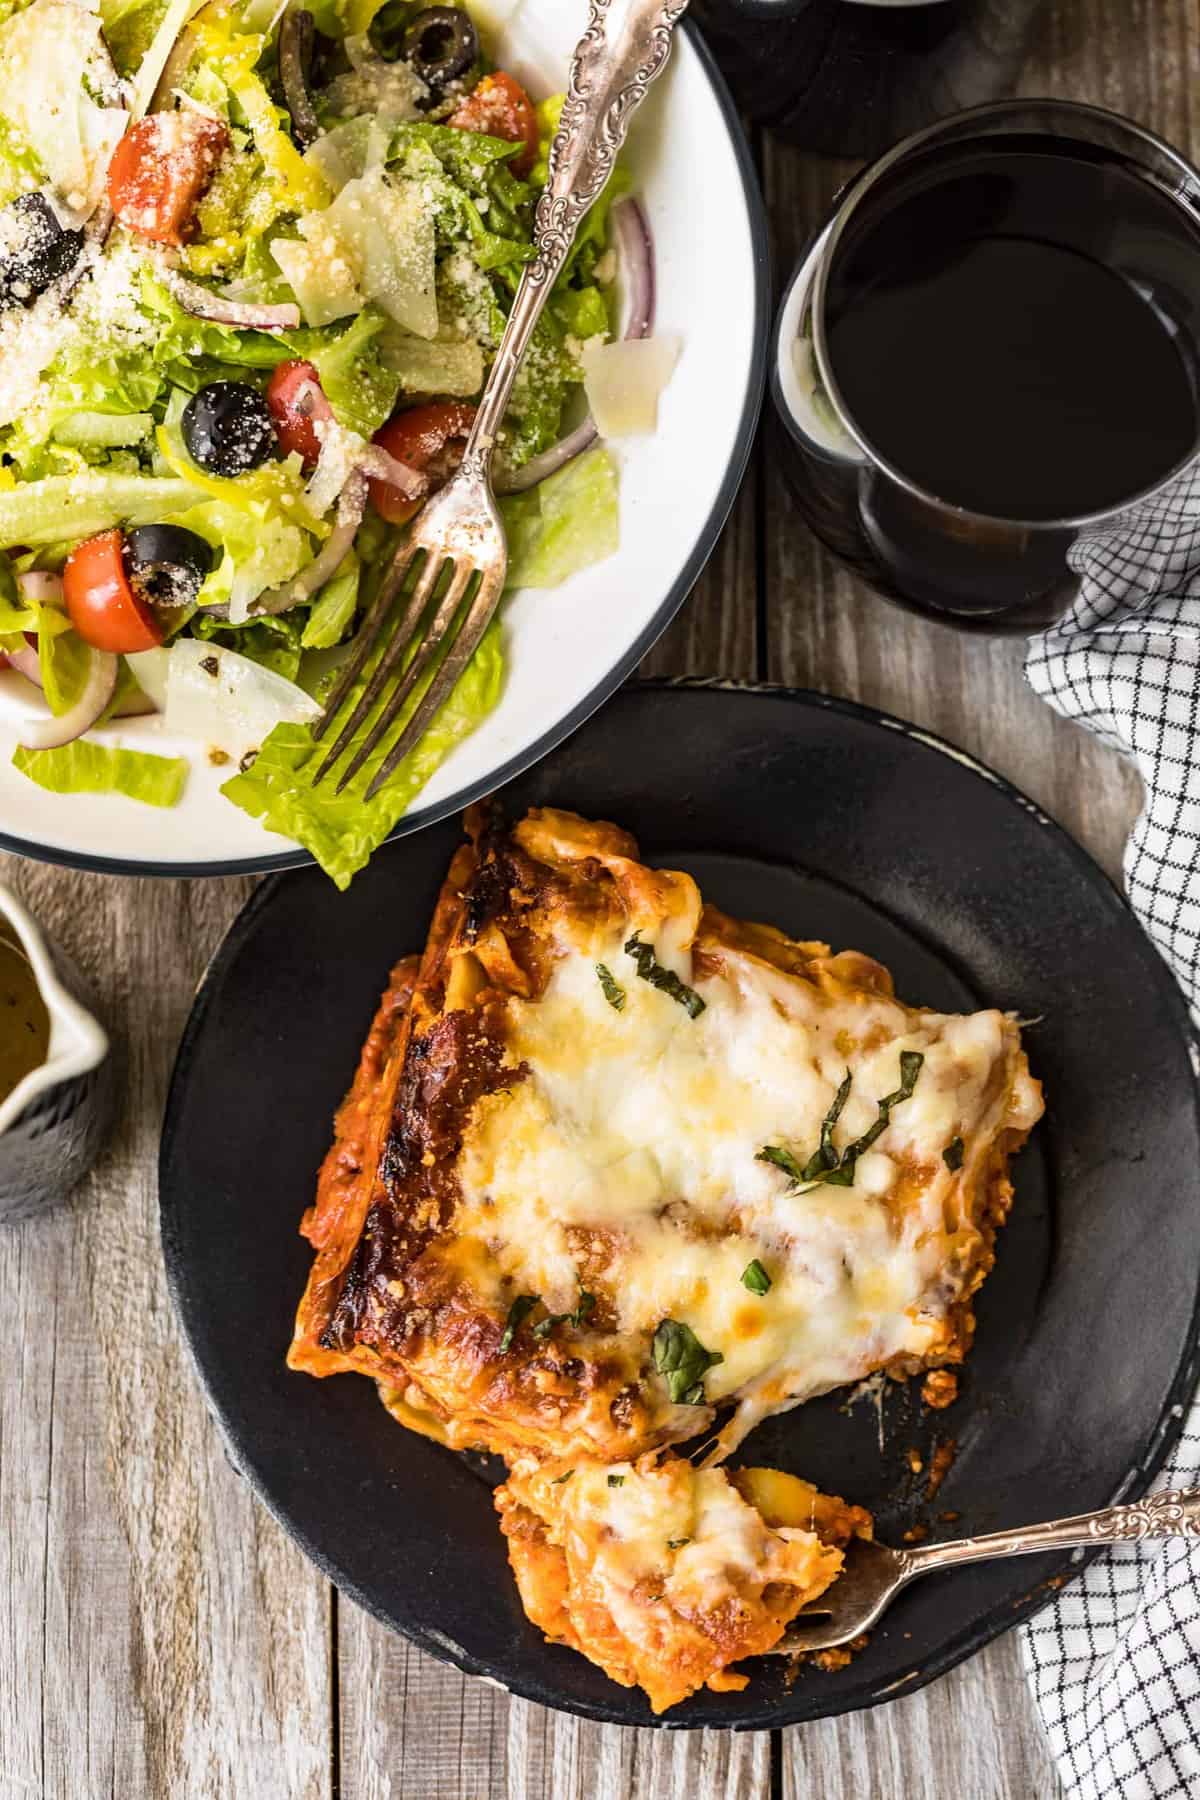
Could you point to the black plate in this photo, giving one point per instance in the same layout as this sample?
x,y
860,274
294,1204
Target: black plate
x,y
832,822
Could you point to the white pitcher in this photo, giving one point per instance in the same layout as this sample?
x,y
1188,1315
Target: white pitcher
x,y
53,1122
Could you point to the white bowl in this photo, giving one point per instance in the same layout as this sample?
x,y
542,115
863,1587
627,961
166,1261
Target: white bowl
x,y
567,648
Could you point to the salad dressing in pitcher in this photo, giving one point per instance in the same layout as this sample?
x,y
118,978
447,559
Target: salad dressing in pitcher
x,y
24,1020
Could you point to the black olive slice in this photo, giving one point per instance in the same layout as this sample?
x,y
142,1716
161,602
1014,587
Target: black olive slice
x,y
167,564
227,428
34,249
441,44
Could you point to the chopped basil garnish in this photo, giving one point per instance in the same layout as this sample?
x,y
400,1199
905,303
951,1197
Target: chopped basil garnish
x,y
582,1313
952,1155
518,1312
614,993
910,1068
682,1359
559,1479
825,1156
666,980
782,1159
755,1277
677,1543
819,1170
616,1481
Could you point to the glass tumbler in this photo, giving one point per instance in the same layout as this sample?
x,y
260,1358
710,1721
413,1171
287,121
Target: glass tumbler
x,y
972,568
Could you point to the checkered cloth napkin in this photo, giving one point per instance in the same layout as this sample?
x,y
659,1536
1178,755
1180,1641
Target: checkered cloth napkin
x,y
1115,1662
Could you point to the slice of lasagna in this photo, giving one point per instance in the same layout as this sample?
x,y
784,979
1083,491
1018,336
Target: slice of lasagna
x,y
665,1575
614,1161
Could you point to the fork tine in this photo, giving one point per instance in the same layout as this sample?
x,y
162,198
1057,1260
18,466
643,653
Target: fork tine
x,y
426,650
364,640
457,658
388,662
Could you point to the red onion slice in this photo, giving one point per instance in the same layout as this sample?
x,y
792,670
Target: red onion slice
x,y
40,586
380,465
351,506
135,705
98,690
310,400
635,248
25,662
341,455
550,461
219,309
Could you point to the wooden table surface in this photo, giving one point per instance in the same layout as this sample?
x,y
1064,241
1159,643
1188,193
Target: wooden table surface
x,y
160,1637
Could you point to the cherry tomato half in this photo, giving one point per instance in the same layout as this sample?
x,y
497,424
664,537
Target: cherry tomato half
x,y
160,170
101,604
431,438
500,107
294,407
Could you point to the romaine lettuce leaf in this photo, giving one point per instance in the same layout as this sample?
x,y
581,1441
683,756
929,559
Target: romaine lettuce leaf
x,y
275,640
568,522
64,661
333,614
342,830
129,28
68,508
88,768
15,616
453,367
358,384
20,168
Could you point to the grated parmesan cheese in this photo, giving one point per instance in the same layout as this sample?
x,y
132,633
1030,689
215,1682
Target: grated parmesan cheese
x,y
102,309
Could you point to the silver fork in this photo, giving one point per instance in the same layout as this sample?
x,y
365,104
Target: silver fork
x,y
873,1574
626,45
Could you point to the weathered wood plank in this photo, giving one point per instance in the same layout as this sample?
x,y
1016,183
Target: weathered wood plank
x,y
159,1636
415,1730
972,1733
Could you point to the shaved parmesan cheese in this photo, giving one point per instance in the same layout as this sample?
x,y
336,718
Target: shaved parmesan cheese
x,y
318,271
341,451
150,71
53,59
388,230
376,242
623,382
226,700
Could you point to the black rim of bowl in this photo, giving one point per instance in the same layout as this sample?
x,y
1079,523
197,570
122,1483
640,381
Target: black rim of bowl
x,y
966,1643
271,861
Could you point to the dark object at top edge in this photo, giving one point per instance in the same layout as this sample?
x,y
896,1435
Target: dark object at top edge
x,y
850,80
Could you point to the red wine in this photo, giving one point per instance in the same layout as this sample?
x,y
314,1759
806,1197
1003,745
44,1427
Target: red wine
x,y
996,338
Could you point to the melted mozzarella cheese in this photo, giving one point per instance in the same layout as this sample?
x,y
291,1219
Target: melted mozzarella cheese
x,y
690,1528
635,1133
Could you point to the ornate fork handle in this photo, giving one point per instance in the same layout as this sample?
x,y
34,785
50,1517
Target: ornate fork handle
x,y
625,47
1160,1516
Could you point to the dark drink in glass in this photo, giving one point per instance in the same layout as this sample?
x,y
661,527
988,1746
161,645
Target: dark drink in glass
x,y
992,350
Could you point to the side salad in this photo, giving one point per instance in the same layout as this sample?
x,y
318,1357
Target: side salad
x,y
254,263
